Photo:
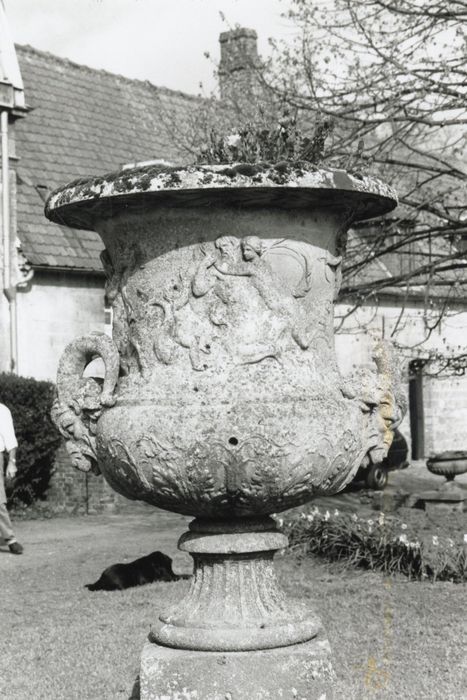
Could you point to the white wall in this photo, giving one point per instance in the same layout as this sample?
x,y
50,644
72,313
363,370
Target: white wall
x,y
444,399
4,334
362,328
55,309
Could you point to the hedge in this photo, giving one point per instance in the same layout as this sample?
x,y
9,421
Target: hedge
x,y
30,402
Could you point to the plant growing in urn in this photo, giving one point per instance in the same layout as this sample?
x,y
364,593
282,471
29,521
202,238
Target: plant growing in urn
x,y
222,398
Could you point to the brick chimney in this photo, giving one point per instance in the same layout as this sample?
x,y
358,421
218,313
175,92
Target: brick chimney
x,y
239,64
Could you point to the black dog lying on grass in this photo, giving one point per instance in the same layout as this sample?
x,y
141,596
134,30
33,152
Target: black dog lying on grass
x,y
153,567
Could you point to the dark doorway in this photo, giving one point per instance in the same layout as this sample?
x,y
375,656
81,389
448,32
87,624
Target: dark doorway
x,y
417,420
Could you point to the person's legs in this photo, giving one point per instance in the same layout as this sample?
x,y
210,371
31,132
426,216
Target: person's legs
x,y
6,529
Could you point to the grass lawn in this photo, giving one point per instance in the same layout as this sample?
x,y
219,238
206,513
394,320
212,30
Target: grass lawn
x,y
391,638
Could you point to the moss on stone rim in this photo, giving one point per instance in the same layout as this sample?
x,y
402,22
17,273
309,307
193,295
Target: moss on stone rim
x,y
159,178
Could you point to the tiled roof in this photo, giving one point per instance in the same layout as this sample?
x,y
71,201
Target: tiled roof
x,y
82,122
86,122
411,270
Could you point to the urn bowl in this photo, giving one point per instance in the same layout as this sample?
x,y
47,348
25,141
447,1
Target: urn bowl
x,y
222,395
450,464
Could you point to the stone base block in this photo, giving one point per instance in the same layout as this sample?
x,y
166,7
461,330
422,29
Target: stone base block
x,y
301,671
449,497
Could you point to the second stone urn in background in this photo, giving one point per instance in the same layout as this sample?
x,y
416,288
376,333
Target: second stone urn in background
x,y
222,398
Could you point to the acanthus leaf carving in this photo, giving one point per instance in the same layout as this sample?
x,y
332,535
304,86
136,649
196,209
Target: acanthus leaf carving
x,y
247,477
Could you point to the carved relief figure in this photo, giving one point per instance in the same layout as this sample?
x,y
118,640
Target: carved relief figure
x,y
207,279
382,397
333,271
231,297
80,401
234,297
180,326
392,402
272,290
126,331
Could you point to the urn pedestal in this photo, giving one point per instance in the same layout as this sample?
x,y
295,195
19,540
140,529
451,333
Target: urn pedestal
x,y
222,398
450,496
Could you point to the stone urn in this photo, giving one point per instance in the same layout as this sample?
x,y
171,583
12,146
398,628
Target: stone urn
x,y
222,398
450,496
450,464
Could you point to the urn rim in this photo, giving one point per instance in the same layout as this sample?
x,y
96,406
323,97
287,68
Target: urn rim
x,y
81,203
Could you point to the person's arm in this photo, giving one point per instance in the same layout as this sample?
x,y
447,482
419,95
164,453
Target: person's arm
x,y
239,269
11,468
202,282
9,439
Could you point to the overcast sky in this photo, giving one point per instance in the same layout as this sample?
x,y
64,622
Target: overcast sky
x,y
158,40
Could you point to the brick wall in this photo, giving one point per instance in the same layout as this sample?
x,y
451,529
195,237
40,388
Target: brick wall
x,y
73,491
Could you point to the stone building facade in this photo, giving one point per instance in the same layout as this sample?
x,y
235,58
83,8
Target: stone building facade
x,y
77,121
81,121
437,415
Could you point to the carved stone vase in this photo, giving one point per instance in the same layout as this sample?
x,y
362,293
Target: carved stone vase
x,y
449,464
222,398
